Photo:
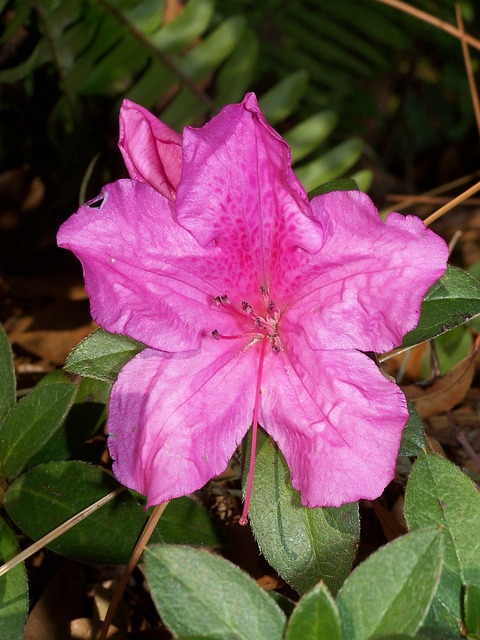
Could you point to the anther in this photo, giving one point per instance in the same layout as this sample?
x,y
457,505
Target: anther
x,y
225,299
215,334
218,300
246,307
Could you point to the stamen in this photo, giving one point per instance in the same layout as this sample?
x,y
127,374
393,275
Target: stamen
x,y
251,470
215,334
225,299
218,300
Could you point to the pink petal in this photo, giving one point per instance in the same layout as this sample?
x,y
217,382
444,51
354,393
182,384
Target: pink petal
x,y
146,276
364,289
337,420
239,194
175,421
151,150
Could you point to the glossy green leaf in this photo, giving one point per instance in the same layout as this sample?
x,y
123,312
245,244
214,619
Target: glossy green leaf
x,y
450,302
7,376
331,165
187,27
47,495
453,346
184,521
85,418
29,426
235,75
315,617
200,594
391,591
438,493
280,101
342,184
101,355
472,610
13,588
310,134
303,545
413,436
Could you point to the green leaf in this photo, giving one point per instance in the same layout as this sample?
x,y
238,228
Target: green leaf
x,y
85,418
453,346
29,426
472,610
13,588
280,101
234,77
331,165
187,27
342,184
309,134
392,590
184,521
413,436
438,493
200,594
101,355
7,376
315,617
303,545
451,301
46,496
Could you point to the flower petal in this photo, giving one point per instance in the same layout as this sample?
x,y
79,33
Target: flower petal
x,y
151,150
366,290
239,193
337,420
175,420
146,276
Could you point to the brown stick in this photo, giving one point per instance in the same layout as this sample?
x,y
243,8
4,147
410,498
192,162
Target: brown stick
x,y
132,563
427,17
468,66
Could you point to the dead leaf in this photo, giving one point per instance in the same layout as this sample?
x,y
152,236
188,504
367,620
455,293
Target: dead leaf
x,y
446,392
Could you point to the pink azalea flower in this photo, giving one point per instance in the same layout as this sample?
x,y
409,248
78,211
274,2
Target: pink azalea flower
x,y
256,306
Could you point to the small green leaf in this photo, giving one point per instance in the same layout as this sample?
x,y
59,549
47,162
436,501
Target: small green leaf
x,y
280,101
451,301
202,595
331,165
187,27
438,493
29,426
7,376
472,610
101,355
413,436
303,545
342,184
13,588
392,590
184,521
234,77
315,617
309,134
85,418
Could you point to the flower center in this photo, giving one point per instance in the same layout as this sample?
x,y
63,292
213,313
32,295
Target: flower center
x,y
263,326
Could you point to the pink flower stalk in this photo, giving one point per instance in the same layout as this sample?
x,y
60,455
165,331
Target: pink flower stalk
x,y
256,306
